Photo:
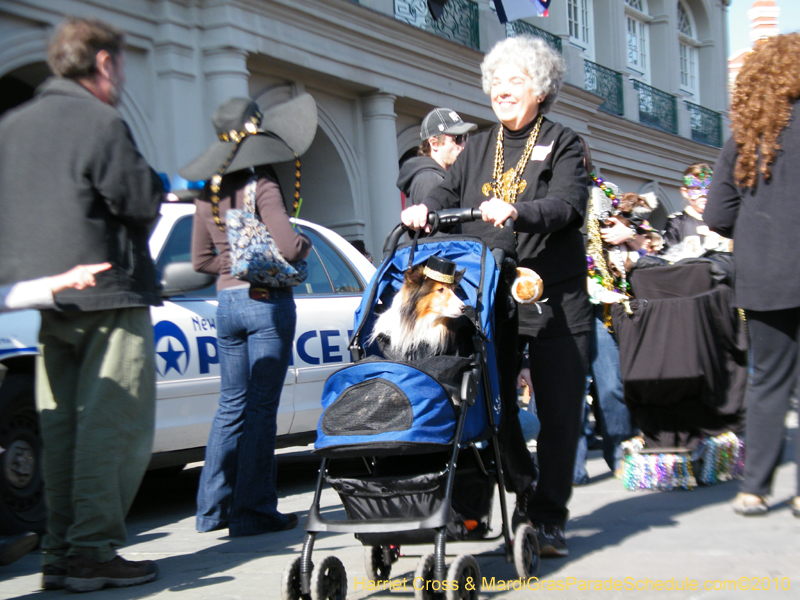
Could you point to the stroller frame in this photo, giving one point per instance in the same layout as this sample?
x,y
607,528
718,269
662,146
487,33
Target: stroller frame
x,y
302,580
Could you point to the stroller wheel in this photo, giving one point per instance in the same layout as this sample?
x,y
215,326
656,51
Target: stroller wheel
x,y
290,582
526,551
375,560
329,580
466,573
425,587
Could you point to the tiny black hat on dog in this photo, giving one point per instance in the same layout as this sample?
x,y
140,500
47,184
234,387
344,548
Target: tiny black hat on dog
x,y
440,269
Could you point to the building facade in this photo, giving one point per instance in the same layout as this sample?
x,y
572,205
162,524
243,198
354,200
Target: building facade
x,y
646,84
763,16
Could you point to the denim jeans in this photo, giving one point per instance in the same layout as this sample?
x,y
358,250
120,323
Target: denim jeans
x,y
529,422
613,418
237,485
580,476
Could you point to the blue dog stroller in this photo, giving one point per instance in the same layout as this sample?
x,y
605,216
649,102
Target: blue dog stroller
x,y
411,446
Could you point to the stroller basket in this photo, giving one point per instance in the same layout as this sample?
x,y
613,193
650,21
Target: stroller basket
x,y
406,499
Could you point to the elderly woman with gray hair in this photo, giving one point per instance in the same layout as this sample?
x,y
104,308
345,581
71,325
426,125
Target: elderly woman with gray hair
x,y
532,170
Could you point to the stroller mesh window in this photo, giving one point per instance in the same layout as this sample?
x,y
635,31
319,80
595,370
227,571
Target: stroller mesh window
x,y
372,407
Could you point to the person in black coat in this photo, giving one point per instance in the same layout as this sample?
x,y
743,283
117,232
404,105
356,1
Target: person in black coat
x,y
531,169
444,134
687,227
753,198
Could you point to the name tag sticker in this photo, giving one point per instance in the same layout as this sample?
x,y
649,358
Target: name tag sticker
x,y
541,152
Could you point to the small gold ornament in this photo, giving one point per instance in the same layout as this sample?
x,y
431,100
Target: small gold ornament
x,y
507,186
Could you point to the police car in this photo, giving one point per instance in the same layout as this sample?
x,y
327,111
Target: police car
x,y
187,361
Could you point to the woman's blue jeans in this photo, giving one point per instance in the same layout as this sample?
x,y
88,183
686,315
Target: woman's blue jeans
x,y
613,417
238,482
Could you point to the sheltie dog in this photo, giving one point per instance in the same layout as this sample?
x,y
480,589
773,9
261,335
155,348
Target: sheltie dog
x,y
420,321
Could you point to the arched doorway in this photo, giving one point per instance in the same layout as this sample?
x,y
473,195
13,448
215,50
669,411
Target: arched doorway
x,y
19,85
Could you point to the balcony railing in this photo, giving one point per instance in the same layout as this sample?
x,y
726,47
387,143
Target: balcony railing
x,y
515,28
605,83
657,109
706,125
458,23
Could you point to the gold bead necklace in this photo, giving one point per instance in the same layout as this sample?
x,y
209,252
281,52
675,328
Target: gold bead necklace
x,y
509,185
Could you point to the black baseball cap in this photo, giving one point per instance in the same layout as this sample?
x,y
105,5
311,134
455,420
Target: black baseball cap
x,y
444,121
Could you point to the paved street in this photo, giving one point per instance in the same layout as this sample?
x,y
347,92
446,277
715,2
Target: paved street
x,y
615,537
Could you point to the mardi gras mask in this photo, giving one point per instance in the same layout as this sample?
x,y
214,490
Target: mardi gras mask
x,y
697,187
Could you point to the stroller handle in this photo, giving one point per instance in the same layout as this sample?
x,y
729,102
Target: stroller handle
x,y
447,216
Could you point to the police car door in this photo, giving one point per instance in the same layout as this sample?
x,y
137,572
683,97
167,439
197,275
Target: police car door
x,y
187,362
326,303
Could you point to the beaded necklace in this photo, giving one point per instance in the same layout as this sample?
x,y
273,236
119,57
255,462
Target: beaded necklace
x,y
507,186
600,182
596,261
597,258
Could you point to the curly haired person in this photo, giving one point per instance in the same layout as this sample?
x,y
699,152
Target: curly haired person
x,y
753,199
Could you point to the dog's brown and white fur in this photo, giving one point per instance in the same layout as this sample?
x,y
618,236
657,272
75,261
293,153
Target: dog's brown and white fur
x,y
419,321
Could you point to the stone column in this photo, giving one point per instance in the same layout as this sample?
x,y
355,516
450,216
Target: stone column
x,y
684,117
181,122
226,75
630,100
382,210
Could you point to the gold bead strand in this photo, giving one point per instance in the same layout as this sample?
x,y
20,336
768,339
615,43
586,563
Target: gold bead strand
x,y
298,201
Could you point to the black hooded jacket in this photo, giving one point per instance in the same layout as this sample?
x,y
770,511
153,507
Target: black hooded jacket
x,y
418,176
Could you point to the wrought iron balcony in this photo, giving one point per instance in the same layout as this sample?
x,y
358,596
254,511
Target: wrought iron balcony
x,y
657,109
458,23
515,28
706,125
605,83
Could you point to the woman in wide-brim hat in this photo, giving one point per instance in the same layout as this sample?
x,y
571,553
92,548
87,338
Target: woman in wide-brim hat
x,y
255,325
531,169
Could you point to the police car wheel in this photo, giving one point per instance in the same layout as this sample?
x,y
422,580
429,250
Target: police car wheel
x,y
22,506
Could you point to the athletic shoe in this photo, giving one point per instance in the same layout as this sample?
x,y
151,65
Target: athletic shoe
x,y
551,541
749,504
14,547
86,575
53,577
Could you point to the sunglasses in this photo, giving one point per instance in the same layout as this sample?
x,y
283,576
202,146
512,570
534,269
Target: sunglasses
x,y
460,139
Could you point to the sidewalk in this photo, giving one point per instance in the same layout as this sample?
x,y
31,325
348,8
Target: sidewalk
x,y
616,538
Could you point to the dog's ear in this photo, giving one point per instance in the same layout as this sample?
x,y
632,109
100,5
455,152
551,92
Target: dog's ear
x,y
415,275
458,276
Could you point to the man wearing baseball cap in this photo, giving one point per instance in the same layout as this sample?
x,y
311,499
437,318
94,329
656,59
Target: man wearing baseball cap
x,y
444,134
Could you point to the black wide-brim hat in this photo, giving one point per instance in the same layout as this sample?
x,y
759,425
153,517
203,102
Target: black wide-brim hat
x,y
278,135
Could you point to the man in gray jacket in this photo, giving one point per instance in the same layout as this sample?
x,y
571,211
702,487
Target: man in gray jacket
x,y
74,189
